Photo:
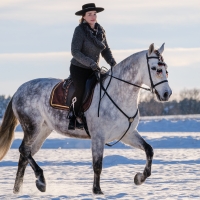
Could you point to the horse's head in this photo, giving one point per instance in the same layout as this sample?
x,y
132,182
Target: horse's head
x,y
157,74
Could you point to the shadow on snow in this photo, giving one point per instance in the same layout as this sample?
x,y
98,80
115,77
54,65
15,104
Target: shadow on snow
x,y
171,142
108,161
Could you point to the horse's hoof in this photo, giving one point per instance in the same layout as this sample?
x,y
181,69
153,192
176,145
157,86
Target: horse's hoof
x,y
97,191
41,184
139,179
16,190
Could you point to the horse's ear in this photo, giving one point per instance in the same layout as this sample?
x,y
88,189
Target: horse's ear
x,y
161,49
151,49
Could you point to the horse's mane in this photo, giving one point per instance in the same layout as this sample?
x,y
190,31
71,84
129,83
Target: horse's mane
x,y
127,61
132,57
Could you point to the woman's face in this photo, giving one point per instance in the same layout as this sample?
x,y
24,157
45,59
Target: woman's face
x,y
90,17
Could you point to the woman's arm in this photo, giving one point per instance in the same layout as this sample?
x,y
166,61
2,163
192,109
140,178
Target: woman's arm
x,y
76,46
107,55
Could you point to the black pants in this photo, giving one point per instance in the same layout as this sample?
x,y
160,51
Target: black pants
x,y
79,76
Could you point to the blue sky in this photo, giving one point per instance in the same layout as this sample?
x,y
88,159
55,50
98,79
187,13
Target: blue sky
x,y
35,37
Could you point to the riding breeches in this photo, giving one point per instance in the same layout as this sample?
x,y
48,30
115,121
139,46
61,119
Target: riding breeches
x,y
79,76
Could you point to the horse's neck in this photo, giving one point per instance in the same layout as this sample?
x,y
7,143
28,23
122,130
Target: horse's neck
x,y
126,95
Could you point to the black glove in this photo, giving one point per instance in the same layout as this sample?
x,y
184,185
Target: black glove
x,y
112,62
95,67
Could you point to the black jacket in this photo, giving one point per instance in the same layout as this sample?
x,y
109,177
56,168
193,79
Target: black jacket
x,y
86,46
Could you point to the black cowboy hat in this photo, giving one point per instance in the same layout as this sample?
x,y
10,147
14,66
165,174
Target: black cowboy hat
x,y
88,7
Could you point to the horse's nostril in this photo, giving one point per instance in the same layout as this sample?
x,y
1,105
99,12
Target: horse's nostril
x,y
166,94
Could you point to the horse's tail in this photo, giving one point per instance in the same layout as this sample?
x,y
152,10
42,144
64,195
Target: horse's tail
x,y
7,130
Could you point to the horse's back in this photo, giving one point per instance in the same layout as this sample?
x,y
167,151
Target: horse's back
x,y
32,93
37,85
31,105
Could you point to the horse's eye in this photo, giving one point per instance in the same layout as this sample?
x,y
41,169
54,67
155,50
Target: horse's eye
x,y
153,68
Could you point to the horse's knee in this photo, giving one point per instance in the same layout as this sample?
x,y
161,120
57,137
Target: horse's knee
x,y
21,149
97,166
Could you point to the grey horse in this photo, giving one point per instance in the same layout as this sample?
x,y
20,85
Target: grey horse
x,y
30,107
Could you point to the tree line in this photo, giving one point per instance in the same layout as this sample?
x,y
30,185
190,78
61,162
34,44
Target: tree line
x,y
3,104
186,102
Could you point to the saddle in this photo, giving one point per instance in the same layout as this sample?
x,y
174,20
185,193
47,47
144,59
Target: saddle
x,y
62,93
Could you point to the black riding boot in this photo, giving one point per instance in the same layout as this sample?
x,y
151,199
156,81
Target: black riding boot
x,y
79,125
74,123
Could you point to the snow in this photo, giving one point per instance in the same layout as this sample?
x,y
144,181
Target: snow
x,y
160,131
67,165
69,175
178,123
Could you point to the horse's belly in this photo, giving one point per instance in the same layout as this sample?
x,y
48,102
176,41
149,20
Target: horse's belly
x,y
81,134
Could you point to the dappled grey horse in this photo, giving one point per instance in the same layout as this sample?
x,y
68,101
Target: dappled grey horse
x,y
118,114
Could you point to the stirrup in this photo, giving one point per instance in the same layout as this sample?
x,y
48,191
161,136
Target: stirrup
x,y
73,122
71,115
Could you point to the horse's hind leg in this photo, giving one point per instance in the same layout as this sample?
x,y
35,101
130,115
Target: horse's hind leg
x,y
20,174
135,140
34,136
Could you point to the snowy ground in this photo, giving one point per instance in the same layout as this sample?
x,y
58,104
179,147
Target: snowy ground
x,y
69,174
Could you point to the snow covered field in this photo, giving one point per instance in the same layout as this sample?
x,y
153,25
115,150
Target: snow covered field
x,y
68,169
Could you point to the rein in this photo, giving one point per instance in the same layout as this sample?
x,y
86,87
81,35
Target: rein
x,y
130,119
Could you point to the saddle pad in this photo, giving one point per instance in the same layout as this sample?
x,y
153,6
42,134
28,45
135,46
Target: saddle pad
x,y
58,97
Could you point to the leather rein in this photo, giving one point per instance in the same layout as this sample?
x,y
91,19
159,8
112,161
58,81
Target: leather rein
x,y
151,89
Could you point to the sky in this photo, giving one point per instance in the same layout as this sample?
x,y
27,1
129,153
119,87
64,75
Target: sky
x,y
35,37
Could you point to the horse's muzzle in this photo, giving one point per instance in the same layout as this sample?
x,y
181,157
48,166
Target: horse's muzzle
x,y
165,97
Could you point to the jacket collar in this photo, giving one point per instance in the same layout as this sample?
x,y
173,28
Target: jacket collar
x,y
98,38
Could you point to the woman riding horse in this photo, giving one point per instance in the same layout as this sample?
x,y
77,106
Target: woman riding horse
x,y
89,40
118,117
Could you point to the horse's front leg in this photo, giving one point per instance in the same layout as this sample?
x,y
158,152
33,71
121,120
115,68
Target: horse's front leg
x,y
135,140
97,156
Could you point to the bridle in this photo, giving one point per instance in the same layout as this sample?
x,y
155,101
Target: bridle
x,y
161,62
151,89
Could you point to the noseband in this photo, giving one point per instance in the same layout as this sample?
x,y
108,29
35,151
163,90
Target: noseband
x,y
151,89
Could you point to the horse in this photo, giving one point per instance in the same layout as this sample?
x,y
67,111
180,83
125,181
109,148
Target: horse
x,y
118,110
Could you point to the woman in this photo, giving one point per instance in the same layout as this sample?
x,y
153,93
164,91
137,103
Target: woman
x,y
89,40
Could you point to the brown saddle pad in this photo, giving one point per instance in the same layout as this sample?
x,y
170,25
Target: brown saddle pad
x,y
61,95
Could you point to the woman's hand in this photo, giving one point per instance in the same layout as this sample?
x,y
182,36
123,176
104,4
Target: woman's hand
x,y
95,67
112,62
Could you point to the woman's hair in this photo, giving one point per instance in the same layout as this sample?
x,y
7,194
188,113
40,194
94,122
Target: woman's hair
x,y
82,19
